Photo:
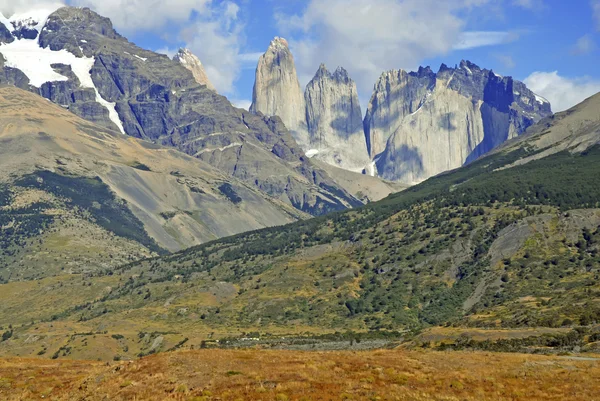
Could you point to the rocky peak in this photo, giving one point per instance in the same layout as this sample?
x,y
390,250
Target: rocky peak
x,y
423,124
334,120
469,67
279,44
422,72
186,58
277,91
339,75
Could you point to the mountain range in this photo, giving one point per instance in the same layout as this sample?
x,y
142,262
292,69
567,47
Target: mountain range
x,y
417,124
141,212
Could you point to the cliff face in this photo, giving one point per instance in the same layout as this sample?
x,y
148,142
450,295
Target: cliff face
x,y
277,90
397,94
194,65
421,124
334,120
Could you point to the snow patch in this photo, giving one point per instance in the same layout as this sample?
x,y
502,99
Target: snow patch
x,y
112,111
141,58
371,169
83,41
540,99
311,153
35,62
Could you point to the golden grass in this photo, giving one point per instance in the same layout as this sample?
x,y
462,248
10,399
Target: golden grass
x,y
287,375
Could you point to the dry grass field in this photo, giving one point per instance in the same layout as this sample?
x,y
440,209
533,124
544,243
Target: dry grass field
x,y
286,375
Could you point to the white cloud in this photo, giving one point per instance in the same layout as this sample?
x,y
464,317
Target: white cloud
x,y
211,29
241,103
584,45
171,52
216,38
563,93
9,7
132,15
369,37
471,40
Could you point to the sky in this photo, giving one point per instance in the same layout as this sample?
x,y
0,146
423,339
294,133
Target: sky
x,y
551,45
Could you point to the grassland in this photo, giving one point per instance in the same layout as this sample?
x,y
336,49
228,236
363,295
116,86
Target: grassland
x,y
286,375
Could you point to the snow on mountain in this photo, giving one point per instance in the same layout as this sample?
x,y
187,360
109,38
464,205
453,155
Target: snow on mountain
x,y
36,62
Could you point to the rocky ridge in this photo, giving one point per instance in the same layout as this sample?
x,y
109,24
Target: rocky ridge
x,y
417,124
334,120
420,124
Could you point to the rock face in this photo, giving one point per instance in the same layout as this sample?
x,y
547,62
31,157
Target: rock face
x,y
104,78
277,91
326,120
397,94
420,124
334,120
192,63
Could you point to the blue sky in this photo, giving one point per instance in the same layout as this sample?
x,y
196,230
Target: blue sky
x,y
550,44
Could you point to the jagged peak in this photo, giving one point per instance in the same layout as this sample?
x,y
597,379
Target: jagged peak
x,y
340,74
279,43
469,67
322,70
185,55
443,68
422,72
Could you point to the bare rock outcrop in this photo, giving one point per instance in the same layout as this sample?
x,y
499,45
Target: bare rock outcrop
x,y
277,91
334,120
420,124
194,65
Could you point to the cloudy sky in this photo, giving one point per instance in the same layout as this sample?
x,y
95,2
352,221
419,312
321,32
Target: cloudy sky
x,y
550,44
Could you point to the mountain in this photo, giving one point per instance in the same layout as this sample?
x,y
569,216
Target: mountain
x,y
277,91
85,66
334,120
193,63
74,193
510,241
420,124
417,124
326,120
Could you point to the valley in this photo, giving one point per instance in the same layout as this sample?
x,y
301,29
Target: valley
x,y
158,242
288,375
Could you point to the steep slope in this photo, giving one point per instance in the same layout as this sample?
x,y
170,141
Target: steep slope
x,y
507,241
421,124
334,120
85,66
193,63
277,91
94,190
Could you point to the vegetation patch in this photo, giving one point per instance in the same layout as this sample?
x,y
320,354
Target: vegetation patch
x,y
227,190
95,197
